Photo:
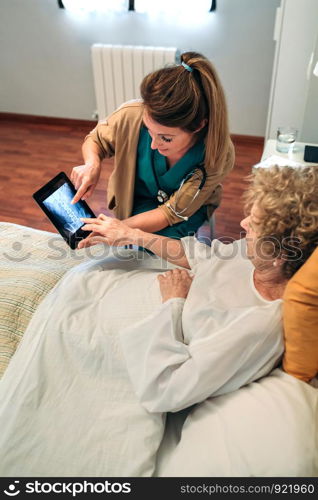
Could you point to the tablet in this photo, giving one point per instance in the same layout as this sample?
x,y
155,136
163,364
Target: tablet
x,y
55,200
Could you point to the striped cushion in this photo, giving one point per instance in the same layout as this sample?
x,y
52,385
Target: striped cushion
x,y
31,263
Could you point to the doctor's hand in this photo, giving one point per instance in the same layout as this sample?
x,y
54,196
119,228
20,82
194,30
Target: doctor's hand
x,y
106,230
175,283
85,178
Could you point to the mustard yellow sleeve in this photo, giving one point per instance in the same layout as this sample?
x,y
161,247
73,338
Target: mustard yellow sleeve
x,y
183,202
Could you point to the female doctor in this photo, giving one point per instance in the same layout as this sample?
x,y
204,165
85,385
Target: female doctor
x,y
171,151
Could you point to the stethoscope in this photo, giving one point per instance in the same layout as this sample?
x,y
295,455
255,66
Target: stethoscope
x,y
163,197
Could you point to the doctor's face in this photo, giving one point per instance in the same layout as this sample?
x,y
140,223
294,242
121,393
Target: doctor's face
x,y
170,141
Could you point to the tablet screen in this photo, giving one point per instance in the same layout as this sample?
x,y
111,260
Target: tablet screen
x,y
55,200
59,204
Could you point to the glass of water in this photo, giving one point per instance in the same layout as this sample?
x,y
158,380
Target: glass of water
x,y
286,137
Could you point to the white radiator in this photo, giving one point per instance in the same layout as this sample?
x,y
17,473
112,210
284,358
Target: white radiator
x,y
119,69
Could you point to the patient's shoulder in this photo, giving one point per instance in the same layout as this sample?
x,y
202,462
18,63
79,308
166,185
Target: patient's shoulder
x,y
228,248
224,249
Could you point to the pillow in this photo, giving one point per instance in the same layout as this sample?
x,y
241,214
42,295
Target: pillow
x,y
265,429
31,263
300,313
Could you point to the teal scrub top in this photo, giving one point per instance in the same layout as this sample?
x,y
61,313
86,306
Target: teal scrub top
x,y
153,173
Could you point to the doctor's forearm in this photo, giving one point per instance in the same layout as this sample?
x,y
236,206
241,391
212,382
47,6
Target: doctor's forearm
x,y
92,154
150,221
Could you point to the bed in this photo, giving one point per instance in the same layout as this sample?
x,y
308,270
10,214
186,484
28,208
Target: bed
x,y
268,428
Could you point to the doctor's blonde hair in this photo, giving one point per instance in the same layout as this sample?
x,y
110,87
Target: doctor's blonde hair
x,y
176,97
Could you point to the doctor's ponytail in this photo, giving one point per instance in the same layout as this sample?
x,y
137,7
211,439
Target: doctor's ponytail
x,y
183,96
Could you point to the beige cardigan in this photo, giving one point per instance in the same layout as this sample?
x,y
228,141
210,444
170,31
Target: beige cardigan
x,y
118,136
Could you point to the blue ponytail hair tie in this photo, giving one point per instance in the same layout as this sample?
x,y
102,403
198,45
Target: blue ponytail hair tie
x,y
187,67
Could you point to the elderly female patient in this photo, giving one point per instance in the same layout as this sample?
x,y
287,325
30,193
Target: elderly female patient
x,y
217,328
221,329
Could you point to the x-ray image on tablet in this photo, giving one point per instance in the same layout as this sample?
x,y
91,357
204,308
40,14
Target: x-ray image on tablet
x,y
55,200
59,204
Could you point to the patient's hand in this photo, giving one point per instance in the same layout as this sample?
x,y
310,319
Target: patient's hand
x,y
175,283
106,230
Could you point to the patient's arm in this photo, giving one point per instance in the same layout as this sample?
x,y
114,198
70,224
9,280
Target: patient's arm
x,y
150,221
116,233
227,350
167,248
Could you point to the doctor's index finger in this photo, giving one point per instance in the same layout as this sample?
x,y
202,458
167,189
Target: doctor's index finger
x,y
92,227
92,220
76,198
81,191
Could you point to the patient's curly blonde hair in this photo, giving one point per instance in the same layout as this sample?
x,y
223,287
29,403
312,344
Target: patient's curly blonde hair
x,y
287,201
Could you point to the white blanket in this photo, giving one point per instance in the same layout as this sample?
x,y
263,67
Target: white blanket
x,y
67,404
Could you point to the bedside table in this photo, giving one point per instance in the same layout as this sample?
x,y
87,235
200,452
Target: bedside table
x,y
296,155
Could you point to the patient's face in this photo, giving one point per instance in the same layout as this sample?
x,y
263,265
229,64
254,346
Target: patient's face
x,y
253,238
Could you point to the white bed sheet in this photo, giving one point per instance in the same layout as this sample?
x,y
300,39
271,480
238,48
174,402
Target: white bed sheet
x,y
266,429
67,404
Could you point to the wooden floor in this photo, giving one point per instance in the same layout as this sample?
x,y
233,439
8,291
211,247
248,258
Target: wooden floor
x,y
32,153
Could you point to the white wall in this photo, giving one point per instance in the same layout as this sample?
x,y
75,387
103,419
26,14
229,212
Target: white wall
x,y
45,60
310,126
294,94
